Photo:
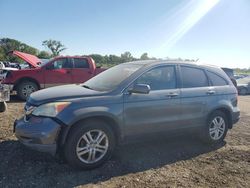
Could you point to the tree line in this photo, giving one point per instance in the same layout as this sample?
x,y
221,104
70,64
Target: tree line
x,y
7,45
54,48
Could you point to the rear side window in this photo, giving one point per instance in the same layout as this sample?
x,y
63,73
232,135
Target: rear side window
x,y
193,77
159,78
81,63
216,79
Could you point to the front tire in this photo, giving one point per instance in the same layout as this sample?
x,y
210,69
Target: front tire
x,y
25,88
3,106
216,128
89,144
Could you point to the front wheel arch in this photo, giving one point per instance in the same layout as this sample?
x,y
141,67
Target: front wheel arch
x,y
65,131
69,153
26,79
25,87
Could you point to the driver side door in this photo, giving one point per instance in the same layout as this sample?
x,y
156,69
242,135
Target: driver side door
x,y
157,111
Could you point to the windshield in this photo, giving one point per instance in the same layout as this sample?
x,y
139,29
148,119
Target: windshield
x,y
111,78
44,62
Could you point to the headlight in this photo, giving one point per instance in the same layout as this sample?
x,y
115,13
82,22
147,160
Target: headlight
x,y
50,109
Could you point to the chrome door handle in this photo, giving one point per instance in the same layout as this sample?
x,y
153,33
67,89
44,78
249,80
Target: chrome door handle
x,y
210,92
170,95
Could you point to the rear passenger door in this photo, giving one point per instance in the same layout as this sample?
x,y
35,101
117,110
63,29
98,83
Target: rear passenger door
x,y
195,96
81,71
221,85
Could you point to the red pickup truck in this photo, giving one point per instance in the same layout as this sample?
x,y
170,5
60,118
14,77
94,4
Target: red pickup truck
x,y
57,71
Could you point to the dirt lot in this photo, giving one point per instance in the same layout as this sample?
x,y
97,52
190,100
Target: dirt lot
x,y
167,162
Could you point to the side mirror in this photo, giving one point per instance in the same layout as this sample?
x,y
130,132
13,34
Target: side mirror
x,y
140,88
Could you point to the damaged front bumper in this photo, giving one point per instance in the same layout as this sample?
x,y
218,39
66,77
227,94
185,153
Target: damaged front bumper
x,y
38,133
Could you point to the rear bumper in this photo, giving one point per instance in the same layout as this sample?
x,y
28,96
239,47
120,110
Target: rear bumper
x,y
235,115
38,133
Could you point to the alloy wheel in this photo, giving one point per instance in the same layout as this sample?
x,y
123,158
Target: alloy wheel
x,y
92,146
28,89
217,128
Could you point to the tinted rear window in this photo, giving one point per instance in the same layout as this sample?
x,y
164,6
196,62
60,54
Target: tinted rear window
x,y
81,63
216,79
193,77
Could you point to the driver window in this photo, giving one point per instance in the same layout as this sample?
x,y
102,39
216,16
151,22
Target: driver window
x,y
159,78
61,64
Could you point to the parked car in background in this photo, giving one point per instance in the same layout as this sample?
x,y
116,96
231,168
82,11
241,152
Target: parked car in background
x,y
85,122
237,76
240,76
57,71
243,85
4,70
8,64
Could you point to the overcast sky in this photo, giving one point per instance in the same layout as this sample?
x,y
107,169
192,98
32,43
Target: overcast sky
x,y
215,31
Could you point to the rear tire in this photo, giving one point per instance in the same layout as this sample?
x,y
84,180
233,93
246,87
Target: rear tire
x,y
216,128
25,88
83,149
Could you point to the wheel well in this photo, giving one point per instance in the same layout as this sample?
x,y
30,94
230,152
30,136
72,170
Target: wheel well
x,y
110,122
26,79
228,115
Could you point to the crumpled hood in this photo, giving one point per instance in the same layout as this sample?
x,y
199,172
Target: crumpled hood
x,y
60,93
30,59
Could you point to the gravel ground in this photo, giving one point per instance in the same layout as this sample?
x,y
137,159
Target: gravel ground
x,y
165,162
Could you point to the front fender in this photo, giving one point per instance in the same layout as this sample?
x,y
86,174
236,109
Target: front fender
x,y
95,112
69,117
